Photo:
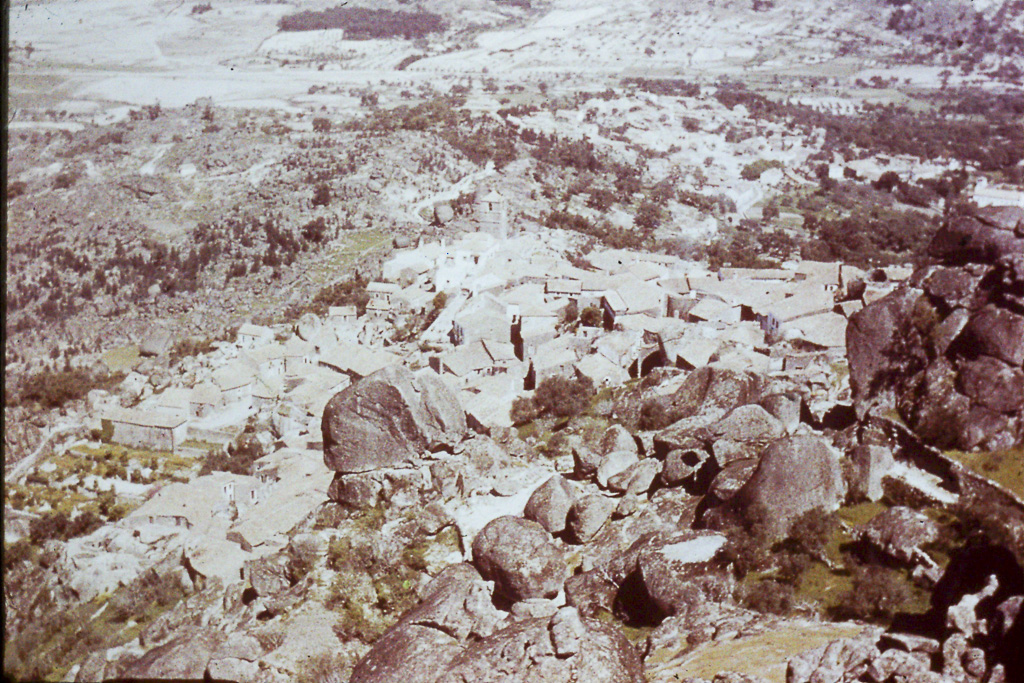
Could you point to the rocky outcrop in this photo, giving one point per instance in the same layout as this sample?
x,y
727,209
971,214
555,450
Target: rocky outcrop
x,y
984,237
869,464
678,575
456,607
588,514
974,635
714,390
898,533
564,647
520,557
947,348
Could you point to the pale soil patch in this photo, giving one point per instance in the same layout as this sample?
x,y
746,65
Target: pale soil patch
x,y
121,359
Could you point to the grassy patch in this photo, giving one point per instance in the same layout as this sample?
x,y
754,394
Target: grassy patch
x,y
48,647
1006,468
763,655
121,359
860,514
346,250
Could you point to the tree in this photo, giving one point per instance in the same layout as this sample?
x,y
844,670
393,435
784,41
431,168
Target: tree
x,y
322,195
570,313
887,181
591,317
878,593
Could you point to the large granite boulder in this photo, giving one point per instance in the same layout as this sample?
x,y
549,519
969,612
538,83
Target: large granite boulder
x,y
389,419
564,647
456,608
713,390
520,557
549,504
458,602
946,349
794,475
588,514
407,652
678,574
984,237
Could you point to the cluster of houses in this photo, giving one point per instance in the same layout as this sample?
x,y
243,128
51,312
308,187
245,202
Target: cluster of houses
x,y
518,310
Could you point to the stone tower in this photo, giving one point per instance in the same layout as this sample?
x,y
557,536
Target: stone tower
x,y
492,215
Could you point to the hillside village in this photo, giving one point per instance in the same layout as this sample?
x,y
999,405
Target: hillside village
x,y
515,341
515,312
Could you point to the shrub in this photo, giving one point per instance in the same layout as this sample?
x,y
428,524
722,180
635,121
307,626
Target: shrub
x,y
322,195
754,169
16,188
655,415
591,316
18,552
522,411
147,590
562,397
365,24
348,292
878,593
64,180
60,527
771,597
301,560
237,459
190,347
321,125
811,531
570,314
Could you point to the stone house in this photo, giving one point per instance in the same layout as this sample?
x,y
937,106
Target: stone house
x,y
382,298
235,382
145,429
299,357
204,399
249,335
341,314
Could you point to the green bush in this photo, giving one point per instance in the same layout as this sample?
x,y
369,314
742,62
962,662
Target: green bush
x,y
754,169
878,593
60,527
811,531
562,397
655,415
237,459
52,389
591,316
146,591
771,597
346,293
523,411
